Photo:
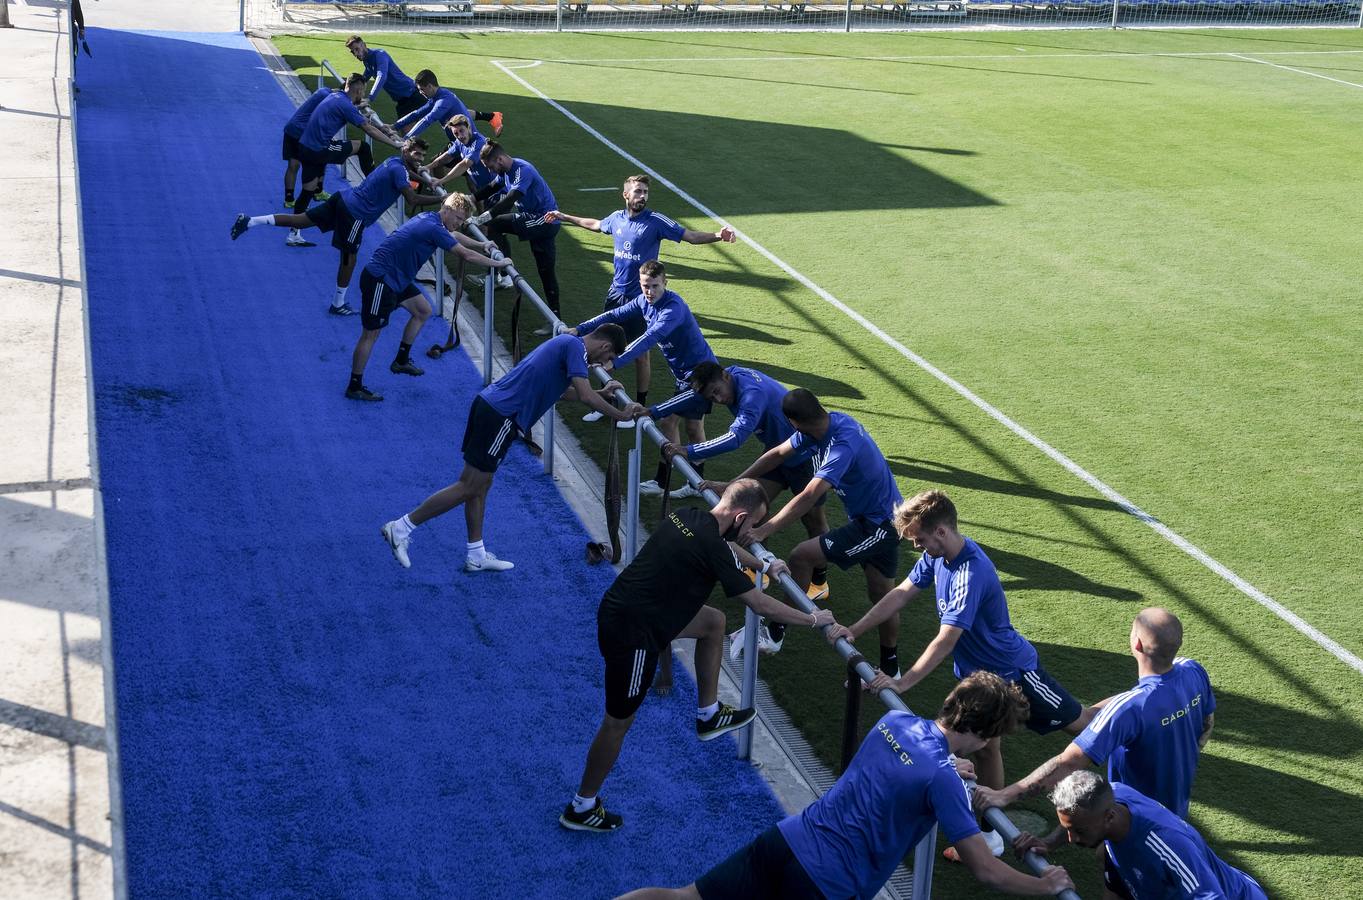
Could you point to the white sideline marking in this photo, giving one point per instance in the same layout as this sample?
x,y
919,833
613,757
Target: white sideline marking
x,y
814,57
529,65
1182,543
589,190
1264,62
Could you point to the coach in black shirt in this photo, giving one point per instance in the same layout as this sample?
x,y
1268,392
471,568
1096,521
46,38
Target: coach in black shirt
x,y
661,596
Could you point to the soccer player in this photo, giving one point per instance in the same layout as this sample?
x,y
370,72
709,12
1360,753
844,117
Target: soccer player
x,y
1149,736
1148,852
316,148
557,369
522,210
293,130
659,597
670,325
755,401
975,629
637,232
387,282
900,786
462,157
347,213
442,104
379,66
848,462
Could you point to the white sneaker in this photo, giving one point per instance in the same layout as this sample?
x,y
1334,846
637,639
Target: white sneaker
x,y
399,547
625,424
504,282
594,416
488,563
736,644
477,282
683,492
995,842
765,642
296,239
543,331
650,488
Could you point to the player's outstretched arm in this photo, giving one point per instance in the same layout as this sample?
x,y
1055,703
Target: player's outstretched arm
x,y
579,221
588,395
938,649
771,608
1047,775
380,135
772,459
725,234
1206,735
800,504
1000,876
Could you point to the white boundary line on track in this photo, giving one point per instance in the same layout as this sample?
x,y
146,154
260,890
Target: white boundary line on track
x,y
1182,543
1264,62
815,57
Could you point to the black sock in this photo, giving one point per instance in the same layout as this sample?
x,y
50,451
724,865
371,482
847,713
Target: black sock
x,y
776,629
663,469
288,196
403,350
482,117
820,576
889,659
366,159
300,205
643,398
356,381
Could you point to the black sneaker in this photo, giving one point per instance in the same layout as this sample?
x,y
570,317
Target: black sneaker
x,y
406,368
594,819
240,225
362,393
344,309
726,720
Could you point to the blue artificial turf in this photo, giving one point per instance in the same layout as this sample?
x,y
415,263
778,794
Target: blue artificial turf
x,y
298,715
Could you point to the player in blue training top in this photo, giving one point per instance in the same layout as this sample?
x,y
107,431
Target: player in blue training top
x,y
557,369
293,130
462,156
1148,852
316,147
975,630
379,66
755,401
668,323
638,233
442,104
387,282
902,784
847,462
1150,736
522,210
347,213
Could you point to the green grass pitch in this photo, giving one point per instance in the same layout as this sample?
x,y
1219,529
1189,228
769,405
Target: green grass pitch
x,y
1142,246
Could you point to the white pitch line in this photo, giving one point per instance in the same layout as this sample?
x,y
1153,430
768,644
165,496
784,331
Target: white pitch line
x,y
956,56
1264,62
1173,537
590,190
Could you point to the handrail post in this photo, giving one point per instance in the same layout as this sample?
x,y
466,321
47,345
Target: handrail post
x,y
924,856
489,308
1116,5
748,695
851,713
549,442
632,499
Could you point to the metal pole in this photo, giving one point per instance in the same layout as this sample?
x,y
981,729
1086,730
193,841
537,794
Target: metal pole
x,y
1360,16
549,441
748,695
4,15
489,307
851,715
1116,5
439,282
924,856
558,14
632,505
847,24
241,16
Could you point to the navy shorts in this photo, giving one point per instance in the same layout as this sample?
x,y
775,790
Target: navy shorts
x,y
333,215
766,869
634,326
685,403
290,150
410,103
1052,706
378,300
1112,879
488,435
315,161
862,542
795,477
629,675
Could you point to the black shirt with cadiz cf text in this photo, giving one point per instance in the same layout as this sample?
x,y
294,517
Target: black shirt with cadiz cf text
x,y
658,594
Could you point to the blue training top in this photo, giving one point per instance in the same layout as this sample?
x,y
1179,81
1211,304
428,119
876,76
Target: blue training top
x,y
439,108
327,119
851,462
472,151
1149,735
637,239
901,785
402,253
528,391
756,409
294,127
379,66
1162,857
536,198
379,190
670,325
970,597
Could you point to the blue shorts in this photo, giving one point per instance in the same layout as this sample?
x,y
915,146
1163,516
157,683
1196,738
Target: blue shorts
x,y
1052,706
862,542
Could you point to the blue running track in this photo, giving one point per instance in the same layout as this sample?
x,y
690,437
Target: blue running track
x,y
298,715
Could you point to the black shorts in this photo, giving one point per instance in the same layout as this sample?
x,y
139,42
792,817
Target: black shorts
x,y
1112,879
634,326
766,869
411,103
378,300
334,216
1052,706
794,477
629,674
290,150
488,435
862,542
315,161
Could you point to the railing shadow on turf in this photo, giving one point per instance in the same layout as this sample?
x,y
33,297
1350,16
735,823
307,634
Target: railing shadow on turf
x,y
924,855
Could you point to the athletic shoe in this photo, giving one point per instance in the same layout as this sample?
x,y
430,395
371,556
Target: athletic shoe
x,y
505,282
625,424
297,240
683,493
406,368
594,819
765,643
817,592
650,488
757,578
496,123
240,225
991,837
489,563
475,281
288,201
362,393
345,309
543,331
399,547
322,197
594,416
726,720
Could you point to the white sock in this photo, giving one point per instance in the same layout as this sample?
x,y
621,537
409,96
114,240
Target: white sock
x,y
706,713
476,550
402,529
581,804
259,220
339,299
